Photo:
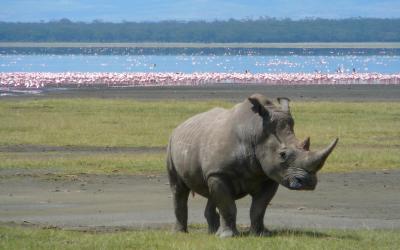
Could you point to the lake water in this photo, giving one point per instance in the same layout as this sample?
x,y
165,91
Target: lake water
x,y
381,63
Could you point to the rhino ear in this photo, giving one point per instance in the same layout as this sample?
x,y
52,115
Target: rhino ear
x,y
258,106
284,102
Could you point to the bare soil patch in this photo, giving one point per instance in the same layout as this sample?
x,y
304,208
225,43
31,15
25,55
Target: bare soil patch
x,y
365,200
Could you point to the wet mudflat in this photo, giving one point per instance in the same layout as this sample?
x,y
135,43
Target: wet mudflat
x,y
233,92
365,200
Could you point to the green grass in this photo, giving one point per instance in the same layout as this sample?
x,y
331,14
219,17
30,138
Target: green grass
x,y
369,132
31,238
90,163
93,122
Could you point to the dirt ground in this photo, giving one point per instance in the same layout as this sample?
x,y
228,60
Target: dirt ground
x,y
351,200
107,202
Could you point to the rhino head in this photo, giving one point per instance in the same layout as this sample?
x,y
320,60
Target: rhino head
x,y
282,157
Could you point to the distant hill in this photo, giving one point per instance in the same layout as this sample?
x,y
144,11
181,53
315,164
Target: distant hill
x,y
230,31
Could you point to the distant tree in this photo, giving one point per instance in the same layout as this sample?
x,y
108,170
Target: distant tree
x,y
264,29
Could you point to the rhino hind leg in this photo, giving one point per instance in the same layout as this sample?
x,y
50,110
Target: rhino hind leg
x,y
212,217
260,201
221,195
180,195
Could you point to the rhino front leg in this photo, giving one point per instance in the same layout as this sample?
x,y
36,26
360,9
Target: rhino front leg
x,y
221,195
212,217
260,201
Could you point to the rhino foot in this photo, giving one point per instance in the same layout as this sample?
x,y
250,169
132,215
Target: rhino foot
x,y
213,229
260,233
180,229
226,233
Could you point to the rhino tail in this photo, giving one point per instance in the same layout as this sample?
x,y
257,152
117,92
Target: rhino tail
x,y
169,156
172,174
170,163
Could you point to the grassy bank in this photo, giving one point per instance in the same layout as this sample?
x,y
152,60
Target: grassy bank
x,y
30,238
93,122
90,163
369,132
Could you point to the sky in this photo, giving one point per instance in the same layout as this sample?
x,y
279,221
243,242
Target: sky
x,y
157,10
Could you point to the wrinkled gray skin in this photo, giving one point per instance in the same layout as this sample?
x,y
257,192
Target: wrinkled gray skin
x,y
225,155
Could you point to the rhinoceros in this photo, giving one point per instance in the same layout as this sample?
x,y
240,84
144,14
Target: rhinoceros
x,y
226,154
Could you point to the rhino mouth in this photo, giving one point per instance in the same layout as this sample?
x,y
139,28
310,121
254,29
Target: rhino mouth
x,y
299,183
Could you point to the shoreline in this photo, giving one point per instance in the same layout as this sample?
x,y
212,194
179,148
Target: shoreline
x,y
228,92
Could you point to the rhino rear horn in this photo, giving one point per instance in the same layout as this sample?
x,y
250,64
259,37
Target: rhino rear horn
x,y
305,144
284,102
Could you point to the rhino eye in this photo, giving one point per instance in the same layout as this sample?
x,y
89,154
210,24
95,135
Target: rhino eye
x,y
283,155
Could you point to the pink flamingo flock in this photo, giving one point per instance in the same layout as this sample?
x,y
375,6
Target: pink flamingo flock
x,y
77,79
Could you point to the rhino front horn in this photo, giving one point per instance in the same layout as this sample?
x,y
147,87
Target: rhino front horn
x,y
321,156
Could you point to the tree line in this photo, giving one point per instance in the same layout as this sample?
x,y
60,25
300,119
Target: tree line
x,y
254,31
